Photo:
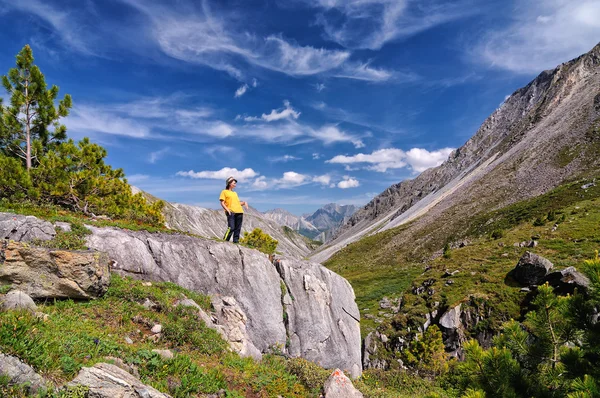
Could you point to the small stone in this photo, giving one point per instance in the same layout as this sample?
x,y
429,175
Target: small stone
x,y
149,304
146,284
504,255
156,328
164,354
128,340
42,316
525,289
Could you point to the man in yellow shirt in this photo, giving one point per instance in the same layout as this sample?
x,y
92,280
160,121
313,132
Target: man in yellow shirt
x,y
233,210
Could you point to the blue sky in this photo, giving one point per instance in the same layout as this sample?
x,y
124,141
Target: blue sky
x,y
306,102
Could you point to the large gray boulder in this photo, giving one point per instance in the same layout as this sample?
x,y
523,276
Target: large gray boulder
x,y
322,317
109,381
452,330
19,373
46,273
24,228
532,269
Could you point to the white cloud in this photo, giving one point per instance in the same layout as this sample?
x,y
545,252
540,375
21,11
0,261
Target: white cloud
x,y
421,159
323,179
220,174
369,24
241,91
348,182
316,156
254,83
391,158
90,119
362,71
320,87
293,178
63,22
544,33
330,134
287,112
157,155
283,159
260,183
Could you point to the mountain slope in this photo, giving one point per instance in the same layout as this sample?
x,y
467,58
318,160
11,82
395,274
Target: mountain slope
x,y
544,134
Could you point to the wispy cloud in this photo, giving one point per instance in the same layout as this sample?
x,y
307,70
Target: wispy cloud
x,y
61,21
391,158
241,91
283,159
324,179
92,119
222,174
287,112
157,155
320,87
369,24
543,34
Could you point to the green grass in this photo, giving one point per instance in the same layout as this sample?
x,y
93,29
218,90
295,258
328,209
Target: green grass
x,y
375,271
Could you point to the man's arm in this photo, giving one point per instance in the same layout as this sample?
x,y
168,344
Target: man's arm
x,y
225,207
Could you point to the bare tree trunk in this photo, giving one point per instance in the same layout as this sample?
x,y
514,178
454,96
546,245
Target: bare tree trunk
x,y
27,127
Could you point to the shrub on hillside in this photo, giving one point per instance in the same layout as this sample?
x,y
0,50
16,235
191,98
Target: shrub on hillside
x,y
259,240
497,234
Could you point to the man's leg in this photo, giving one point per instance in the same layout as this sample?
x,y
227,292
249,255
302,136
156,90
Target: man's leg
x,y
239,217
230,227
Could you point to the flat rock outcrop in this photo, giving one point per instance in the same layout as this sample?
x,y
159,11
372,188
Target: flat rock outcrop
x,y
18,373
47,273
322,318
109,381
24,228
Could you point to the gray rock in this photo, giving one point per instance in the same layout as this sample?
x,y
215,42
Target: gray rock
x,y
64,226
233,326
156,329
322,315
108,381
385,303
531,269
566,281
323,319
20,373
452,330
24,228
18,300
371,345
164,354
338,385
128,340
44,273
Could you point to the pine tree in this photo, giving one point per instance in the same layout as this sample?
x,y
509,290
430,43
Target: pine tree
x,y
30,123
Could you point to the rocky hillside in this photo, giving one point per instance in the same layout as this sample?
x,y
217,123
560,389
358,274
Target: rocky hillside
x,y
544,134
299,308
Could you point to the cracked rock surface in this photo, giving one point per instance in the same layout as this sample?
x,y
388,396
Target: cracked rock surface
x,y
24,228
322,317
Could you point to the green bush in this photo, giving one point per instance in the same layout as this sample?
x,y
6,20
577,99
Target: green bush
x,y
539,222
497,234
259,240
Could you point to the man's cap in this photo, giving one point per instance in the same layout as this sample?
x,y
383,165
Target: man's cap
x,y
229,180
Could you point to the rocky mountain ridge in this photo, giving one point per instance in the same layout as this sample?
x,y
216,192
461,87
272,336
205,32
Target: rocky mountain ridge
x,y
320,225
542,135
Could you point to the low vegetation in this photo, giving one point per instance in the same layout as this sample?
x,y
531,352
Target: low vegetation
x,y
260,241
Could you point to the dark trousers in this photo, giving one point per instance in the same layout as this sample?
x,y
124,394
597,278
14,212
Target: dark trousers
x,y
234,226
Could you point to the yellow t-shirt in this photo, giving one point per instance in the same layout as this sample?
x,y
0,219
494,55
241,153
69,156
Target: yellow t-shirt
x,y
231,200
